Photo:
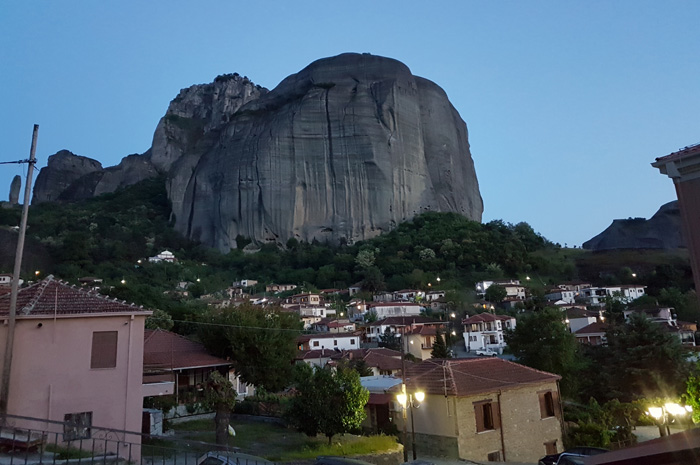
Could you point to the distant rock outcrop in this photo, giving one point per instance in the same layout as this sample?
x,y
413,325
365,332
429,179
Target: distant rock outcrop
x,y
661,231
15,186
345,149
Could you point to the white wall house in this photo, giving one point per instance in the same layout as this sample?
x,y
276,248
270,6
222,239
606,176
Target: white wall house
x,y
395,325
625,293
333,341
387,309
481,286
408,295
485,331
164,256
561,295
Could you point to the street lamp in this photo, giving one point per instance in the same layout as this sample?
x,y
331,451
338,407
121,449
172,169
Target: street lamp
x,y
409,401
660,414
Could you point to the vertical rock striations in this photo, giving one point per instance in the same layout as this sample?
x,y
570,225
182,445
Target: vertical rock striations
x,y
345,149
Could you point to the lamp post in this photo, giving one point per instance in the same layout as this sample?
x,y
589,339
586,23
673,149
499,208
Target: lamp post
x,y
660,414
410,401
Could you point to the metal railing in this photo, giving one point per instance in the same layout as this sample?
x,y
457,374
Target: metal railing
x,y
36,441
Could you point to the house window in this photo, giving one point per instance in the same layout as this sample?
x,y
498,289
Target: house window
x,y
486,416
546,404
315,343
104,349
550,447
494,456
335,342
352,342
77,426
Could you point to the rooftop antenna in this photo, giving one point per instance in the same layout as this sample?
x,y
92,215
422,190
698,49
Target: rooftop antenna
x,y
7,362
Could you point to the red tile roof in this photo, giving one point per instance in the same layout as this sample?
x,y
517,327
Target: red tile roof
x,y
596,327
53,297
466,377
484,317
165,350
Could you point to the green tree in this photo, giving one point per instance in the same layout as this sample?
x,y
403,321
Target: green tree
x,y
541,340
692,394
220,396
327,401
495,293
641,360
260,342
160,320
439,346
390,340
373,279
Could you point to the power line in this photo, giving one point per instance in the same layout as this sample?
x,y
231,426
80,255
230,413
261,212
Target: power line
x,y
302,331
26,160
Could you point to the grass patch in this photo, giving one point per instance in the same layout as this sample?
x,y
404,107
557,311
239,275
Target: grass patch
x,y
67,453
156,447
204,424
276,442
341,445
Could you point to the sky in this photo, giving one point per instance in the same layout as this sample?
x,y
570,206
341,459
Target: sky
x,y
567,103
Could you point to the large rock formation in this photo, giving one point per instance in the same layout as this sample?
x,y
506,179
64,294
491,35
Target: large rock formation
x,y
661,231
344,149
15,186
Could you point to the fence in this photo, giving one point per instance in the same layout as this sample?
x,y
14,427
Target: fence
x,y
30,441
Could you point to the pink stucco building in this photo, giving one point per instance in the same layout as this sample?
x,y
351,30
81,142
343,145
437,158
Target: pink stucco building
x,y
77,359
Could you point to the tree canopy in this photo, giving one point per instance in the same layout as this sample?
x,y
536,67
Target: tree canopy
x,y
327,401
260,342
541,340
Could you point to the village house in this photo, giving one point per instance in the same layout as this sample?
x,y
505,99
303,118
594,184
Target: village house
x,y
420,340
275,288
396,325
354,289
560,296
170,358
356,309
483,409
434,295
578,317
329,341
328,325
380,360
165,256
593,334
387,309
482,286
409,295
485,331
71,347
625,293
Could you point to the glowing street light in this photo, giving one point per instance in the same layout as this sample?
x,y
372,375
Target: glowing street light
x,y
410,401
660,414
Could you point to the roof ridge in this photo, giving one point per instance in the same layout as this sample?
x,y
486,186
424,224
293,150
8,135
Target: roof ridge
x,y
27,309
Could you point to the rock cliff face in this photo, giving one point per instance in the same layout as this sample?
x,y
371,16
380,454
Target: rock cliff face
x,y
344,149
661,231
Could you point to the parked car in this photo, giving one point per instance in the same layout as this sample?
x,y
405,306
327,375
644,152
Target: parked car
x,y
486,352
574,451
231,458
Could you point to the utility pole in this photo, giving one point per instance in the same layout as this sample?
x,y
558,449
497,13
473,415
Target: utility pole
x,y
7,363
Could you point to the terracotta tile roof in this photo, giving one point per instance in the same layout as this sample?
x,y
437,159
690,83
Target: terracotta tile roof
x,y
485,317
685,151
382,358
466,377
424,330
596,327
165,350
51,296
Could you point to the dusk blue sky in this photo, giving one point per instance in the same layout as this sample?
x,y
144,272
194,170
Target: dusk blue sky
x,y
567,103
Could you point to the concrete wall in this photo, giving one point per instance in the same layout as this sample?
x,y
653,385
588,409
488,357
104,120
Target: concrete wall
x,y
51,374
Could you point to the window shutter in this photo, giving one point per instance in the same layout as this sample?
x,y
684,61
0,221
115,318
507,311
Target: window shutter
x,y
543,405
496,416
555,404
104,349
479,414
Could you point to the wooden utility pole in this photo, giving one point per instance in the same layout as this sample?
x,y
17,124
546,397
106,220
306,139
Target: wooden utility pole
x,y
7,362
